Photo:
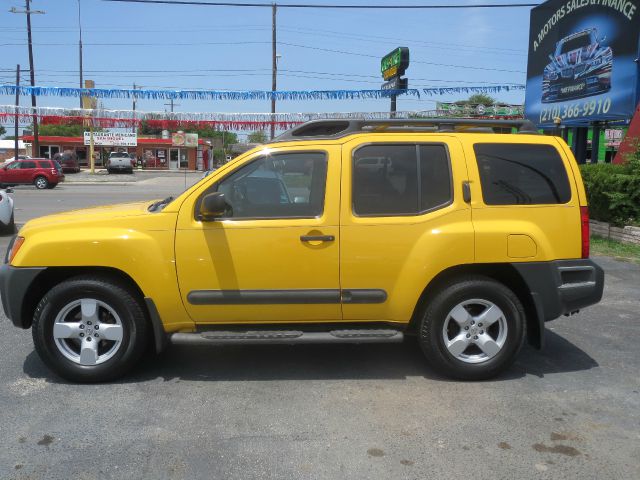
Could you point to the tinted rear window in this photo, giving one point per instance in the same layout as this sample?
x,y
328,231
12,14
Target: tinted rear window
x,y
44,164
521,174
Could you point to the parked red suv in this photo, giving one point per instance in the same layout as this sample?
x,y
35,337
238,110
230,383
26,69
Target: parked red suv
x,y
41,172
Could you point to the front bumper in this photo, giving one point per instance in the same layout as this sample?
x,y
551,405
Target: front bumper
x,y
562,286
14,284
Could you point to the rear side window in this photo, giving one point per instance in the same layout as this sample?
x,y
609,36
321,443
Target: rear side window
x,y
400,179
44,164
521,174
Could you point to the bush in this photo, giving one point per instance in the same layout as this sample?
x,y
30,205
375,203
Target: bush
x,y
613,191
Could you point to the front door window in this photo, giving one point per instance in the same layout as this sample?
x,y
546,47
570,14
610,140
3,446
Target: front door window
x,y
277,186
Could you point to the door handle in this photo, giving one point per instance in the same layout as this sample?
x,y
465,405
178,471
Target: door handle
x,y
317,238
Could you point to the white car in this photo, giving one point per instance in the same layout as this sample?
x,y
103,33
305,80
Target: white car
x,y
7,225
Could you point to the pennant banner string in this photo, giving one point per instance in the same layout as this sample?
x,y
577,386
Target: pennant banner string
x,y
204,94
128,93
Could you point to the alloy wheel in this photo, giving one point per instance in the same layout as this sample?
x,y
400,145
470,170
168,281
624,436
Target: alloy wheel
x,y
88,331
475,331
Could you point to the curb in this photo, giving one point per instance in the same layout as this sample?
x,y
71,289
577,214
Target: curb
x,y
99,183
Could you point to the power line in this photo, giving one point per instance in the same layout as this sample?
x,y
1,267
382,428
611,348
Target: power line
x,y
412,61
327,6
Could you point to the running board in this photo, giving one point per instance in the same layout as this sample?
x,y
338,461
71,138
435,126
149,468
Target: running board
x,y
279,337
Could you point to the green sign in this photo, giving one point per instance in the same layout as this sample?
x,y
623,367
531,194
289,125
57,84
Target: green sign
x,y
395,63
477,110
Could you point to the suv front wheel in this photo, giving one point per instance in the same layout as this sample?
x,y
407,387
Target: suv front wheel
x,y
473,329
89,329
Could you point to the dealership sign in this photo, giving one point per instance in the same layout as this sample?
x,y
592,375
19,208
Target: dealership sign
x,y
582,64
395,63
112,139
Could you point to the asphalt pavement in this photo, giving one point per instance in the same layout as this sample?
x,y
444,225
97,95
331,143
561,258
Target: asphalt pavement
x,y
329,411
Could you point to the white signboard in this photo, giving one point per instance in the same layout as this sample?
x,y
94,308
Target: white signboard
x,y
613,134
112,139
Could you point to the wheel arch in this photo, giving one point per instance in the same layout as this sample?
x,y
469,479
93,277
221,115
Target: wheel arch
x,y
500,272
51,276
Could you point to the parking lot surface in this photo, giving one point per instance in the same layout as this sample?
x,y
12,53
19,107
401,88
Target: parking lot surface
x,y
330,411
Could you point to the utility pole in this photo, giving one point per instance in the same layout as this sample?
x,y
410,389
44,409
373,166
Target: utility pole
x,y
28,11
17,150
274,68
171,104
134,109
80,49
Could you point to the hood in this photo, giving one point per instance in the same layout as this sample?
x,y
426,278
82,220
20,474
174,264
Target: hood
x,y
106,212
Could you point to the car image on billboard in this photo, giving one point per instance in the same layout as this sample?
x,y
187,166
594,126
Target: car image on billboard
x,y
580,67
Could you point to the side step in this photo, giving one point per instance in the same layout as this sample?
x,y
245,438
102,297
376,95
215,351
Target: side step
x,y
279,337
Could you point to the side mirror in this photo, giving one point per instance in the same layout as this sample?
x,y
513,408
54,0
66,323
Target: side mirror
x,y
8,190
213,205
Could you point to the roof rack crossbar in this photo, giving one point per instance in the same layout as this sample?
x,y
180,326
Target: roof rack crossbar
x,y
336,128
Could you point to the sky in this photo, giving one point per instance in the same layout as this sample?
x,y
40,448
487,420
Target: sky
x,y
156,46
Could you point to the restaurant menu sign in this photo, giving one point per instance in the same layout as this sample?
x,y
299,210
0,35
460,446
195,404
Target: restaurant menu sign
x,y
112,139
583,61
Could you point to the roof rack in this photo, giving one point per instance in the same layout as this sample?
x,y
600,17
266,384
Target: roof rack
x,y
330,129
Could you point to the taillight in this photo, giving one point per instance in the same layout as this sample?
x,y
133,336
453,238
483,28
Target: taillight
x,y
584,227
14,248
54,171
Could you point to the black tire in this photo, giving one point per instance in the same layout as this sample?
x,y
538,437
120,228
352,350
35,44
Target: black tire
x,y
110,292
469,289
9,228
41,182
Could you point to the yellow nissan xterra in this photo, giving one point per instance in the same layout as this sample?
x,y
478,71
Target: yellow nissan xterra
x,y
338,231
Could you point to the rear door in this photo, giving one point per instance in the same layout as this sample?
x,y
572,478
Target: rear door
x,y
403,221
27,171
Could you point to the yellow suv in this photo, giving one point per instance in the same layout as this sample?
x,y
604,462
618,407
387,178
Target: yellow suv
x,y
341,231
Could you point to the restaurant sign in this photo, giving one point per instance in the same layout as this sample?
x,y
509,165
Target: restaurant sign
x,y
112,139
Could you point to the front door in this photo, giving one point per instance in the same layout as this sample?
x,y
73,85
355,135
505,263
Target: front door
x,y
273,256
174,158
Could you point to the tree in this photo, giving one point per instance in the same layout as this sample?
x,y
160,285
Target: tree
x,y
69,130
202,131
478,99
2,130
259,136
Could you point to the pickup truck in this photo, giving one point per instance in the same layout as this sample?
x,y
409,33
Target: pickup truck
x,y
119,162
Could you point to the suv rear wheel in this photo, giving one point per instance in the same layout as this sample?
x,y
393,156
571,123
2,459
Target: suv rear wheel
x,y
473,329
89,329
41,182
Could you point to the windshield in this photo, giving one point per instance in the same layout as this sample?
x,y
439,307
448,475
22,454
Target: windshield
x,y
575,43
119,155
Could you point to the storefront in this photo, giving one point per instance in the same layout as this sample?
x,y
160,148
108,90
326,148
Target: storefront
x,y
150,153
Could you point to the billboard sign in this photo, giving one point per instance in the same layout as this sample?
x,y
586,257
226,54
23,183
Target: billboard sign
x,y
112,139
582,64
